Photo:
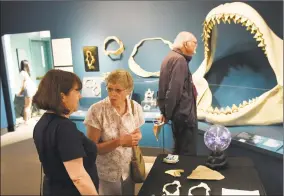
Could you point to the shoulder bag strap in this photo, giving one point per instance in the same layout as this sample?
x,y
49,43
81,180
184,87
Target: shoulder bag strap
x,y
132,106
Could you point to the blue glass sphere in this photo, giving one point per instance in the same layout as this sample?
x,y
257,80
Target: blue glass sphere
x,y
217,138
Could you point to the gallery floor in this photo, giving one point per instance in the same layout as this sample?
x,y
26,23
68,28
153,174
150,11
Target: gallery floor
x,y
20,166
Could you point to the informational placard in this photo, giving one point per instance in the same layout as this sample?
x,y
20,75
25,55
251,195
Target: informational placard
x,y
92,87
239,192
62,52
259,141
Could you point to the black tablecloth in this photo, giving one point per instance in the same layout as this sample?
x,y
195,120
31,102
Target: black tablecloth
x,y
240,174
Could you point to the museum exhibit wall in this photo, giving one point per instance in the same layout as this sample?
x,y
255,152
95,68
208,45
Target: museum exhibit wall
x,y
240,70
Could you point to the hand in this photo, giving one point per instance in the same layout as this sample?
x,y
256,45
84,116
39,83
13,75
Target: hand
x,y
127,141
136,135
162,118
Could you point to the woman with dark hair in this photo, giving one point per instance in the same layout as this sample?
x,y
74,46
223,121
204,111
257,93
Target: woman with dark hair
x,y
28,89
68,157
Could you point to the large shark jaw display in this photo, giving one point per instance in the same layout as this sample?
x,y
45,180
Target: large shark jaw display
x,y
266,109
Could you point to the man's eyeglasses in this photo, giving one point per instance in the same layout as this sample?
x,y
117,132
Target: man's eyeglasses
x,y
115,90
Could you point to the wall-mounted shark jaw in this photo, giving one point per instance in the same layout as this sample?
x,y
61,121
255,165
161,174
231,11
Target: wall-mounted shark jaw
x,y
135,68
263,110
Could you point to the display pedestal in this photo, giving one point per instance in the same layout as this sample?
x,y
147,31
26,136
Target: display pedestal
x,y
217,161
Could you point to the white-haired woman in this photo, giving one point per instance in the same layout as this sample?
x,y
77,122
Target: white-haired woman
x,y
113,125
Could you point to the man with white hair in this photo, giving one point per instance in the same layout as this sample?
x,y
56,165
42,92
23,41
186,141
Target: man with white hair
x,y
177,94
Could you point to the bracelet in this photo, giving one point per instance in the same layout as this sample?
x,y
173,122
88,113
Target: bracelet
x,y
135,68
118,51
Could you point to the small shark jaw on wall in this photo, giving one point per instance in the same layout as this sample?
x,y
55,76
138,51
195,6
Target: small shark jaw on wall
x,y
267,109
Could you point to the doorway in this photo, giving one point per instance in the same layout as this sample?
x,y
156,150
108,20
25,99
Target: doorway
x,y
35,47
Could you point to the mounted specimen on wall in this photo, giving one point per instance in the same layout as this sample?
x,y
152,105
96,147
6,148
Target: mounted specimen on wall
x,y
117,52
91,58
92,87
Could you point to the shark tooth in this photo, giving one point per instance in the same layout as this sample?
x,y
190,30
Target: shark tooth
x,y
226,17
257,34
216,111
261,44
232,16
248,28
249,23
253,29
245,103
250,101
206,44
234,108
213,21
208,30
259,39
211,25
218,20
222,111
237,19
241,105
244,20
206,49
228,110
207,35
223,19
265,52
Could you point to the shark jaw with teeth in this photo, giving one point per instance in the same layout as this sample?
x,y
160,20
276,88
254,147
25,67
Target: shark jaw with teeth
x,y
266,109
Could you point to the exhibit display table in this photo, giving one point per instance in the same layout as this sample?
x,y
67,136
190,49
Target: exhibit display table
x,y
240,174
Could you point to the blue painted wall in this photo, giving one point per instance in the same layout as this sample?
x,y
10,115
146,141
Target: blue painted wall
x,y
4,123
88,23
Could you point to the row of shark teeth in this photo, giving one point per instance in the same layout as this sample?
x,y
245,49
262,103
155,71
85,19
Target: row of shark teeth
x,y
229,110
216,19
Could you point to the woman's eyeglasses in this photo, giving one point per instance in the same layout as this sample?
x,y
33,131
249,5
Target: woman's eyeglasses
x,y
115,90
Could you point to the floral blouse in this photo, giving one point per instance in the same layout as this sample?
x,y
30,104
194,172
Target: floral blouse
x,y
103,116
